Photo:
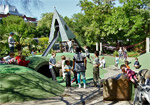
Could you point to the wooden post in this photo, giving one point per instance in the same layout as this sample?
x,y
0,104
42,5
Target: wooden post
x,y
96,46
100,52
147,45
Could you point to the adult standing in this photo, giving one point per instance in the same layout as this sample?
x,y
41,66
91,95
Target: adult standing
x,y
52,65
11,42
79,65
96,64
125,53
70,45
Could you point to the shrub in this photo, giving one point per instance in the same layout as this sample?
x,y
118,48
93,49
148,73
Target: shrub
x,y
115,53
26,51
133,54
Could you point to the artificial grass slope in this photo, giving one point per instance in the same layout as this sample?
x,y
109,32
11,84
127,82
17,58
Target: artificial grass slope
x,y
19,84
144,60
36,61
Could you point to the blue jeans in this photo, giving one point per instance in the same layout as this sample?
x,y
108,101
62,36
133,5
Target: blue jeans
x,y
79,79
11,49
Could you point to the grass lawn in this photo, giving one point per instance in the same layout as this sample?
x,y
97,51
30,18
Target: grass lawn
x,y
19,84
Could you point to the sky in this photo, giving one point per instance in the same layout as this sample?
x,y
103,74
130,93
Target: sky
x,y
64,8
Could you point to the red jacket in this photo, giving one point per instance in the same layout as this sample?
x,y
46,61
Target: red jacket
x,y
18,58
23,63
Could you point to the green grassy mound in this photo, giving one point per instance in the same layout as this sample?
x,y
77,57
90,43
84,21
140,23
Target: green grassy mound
x,y
144,62
37,62
19,84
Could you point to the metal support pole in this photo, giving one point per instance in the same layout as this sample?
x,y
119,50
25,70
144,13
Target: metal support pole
x,y
96,46
100,52
147,45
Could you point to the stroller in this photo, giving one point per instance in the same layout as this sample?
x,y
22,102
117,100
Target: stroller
x,y
142,93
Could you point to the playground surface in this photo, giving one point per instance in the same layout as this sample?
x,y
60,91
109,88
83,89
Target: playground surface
x,y
75,96
24,86
19,84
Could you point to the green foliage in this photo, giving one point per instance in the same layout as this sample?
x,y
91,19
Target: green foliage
x,y
76,23
43,43
44,25
26,51
46,20
133,54
115,53
100,21
21,29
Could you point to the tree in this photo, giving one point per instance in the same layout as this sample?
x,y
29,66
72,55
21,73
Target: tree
x,y
109,24
128,22
76,24
44,25
96,12
21,29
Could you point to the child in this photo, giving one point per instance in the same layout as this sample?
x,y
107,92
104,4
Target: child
x,y
127,64
7,58
137,64
79,65
117,61
63,58
87,53
23,62
96,64
120,52
102,62
19,56
11,59
2,61
52,64
67,71
131,74
33,53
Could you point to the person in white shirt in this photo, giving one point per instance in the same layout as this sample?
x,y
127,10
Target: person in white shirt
x,y
70,45
10,59
102,62
87,53
11,42
63,58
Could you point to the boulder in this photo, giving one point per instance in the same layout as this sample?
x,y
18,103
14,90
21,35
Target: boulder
x,y
117,89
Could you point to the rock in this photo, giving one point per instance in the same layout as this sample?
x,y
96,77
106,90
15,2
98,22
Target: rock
x,y
117,89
